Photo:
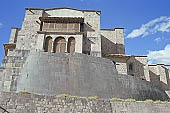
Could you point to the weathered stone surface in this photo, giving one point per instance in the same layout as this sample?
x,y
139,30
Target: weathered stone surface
x,y
31,103
82,75
76,74
11,69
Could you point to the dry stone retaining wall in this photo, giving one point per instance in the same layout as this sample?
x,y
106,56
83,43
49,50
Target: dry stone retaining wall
x,y
32,103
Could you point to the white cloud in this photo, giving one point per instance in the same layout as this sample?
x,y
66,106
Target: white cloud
x,y
157,40
161,56
161,24
1,25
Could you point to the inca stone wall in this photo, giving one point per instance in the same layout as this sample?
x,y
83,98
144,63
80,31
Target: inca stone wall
x,y
82,75
31,103
11,68
74,74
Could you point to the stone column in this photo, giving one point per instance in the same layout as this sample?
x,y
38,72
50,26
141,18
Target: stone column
x,y
78,43
66,38
52,45
40,42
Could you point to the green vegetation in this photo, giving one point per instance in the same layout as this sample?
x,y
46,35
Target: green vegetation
x,y
113,99
24,92
62,95
149,100
117,99
93,97
130,100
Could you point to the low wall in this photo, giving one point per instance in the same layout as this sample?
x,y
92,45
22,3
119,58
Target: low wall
x,y
31,103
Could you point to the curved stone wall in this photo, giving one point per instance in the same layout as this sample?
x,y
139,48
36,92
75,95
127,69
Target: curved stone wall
x,y
81,75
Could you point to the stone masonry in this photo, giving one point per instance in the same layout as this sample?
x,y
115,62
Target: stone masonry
x,y
82,75
64,50
32,103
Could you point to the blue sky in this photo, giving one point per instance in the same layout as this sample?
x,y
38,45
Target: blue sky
x,y
146,22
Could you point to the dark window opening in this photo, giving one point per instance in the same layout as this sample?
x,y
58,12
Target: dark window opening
x,y
131,67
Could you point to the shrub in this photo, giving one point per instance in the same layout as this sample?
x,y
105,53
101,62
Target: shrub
x,y
93,97
117,99
25,92
62,95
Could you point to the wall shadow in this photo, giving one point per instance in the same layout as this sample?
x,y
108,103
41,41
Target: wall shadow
x,y
138,68
155,79
88,27
109,47
45,14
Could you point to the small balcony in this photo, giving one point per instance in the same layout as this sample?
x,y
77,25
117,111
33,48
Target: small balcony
x,y
61,24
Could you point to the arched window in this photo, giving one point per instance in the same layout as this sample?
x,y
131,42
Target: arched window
x,y
59,45
48,44
71,45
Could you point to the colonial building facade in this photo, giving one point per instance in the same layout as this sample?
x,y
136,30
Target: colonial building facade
x,y
67,30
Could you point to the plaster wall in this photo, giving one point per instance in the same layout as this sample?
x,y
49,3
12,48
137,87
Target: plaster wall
x,y
91,19
78,41
63,13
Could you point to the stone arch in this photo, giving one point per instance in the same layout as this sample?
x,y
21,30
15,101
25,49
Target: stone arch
x,y
71,45
48,44
59,45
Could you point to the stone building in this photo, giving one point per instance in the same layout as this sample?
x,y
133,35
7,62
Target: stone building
x,y
65,30
56,35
